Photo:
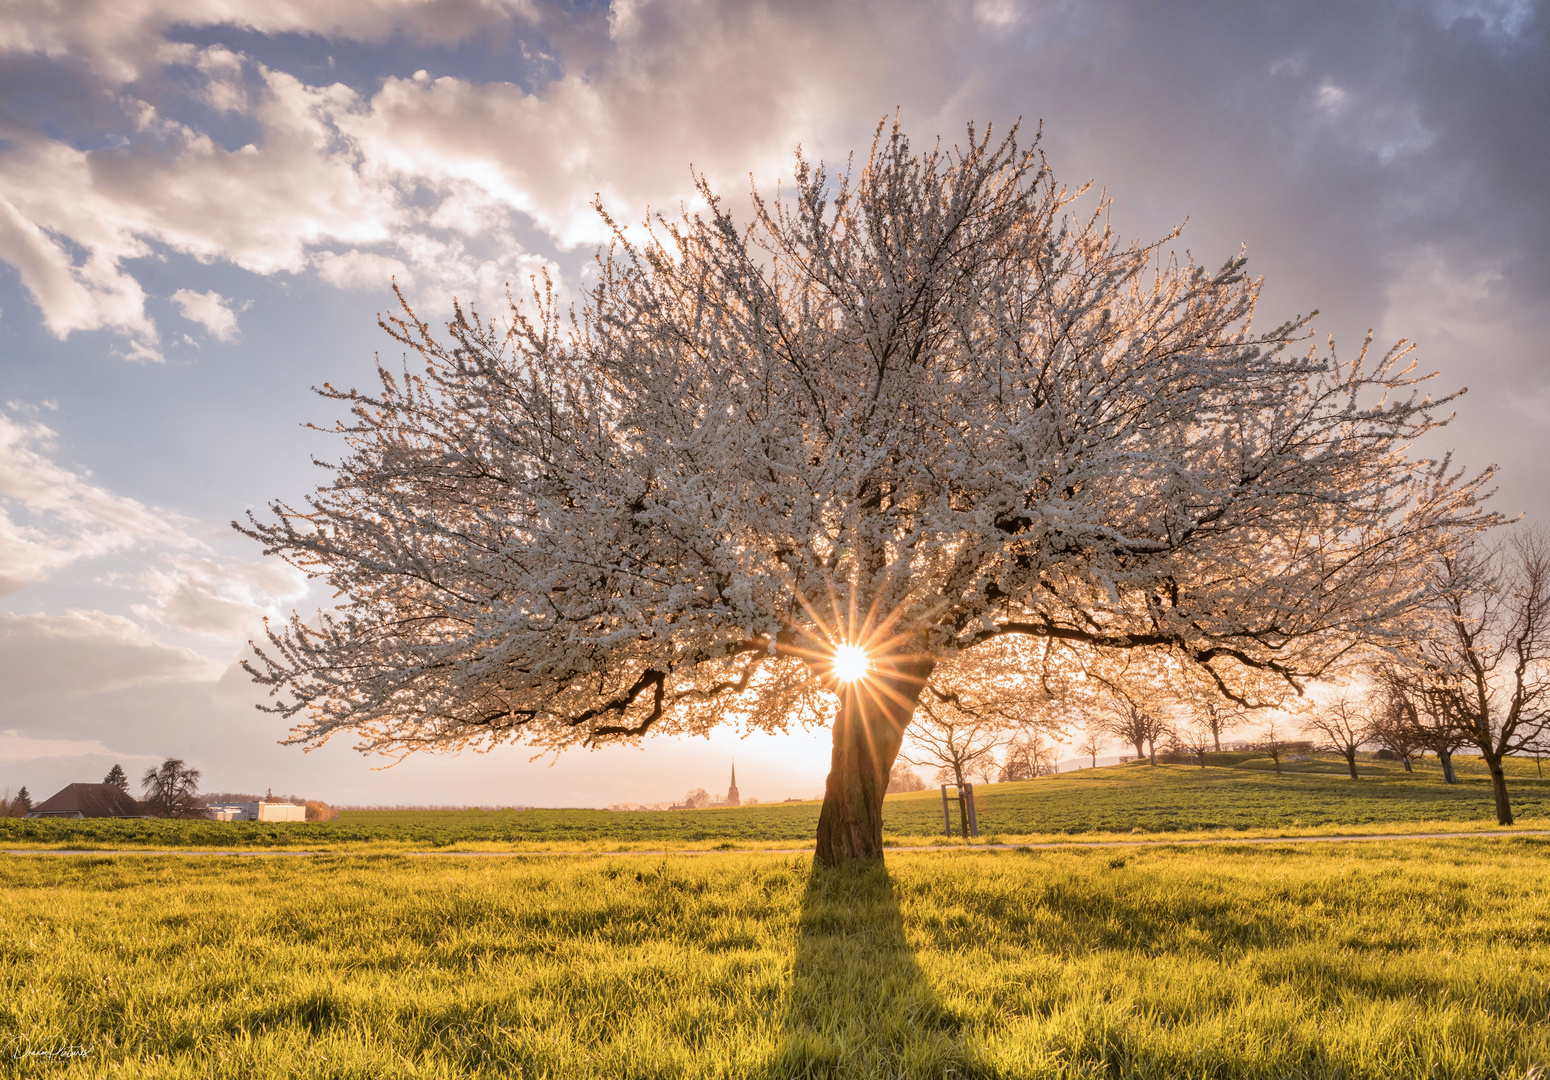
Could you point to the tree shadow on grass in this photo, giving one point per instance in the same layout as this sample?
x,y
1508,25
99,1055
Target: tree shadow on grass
x,y
859,1005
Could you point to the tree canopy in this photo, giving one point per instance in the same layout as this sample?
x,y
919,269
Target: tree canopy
x,y
923,407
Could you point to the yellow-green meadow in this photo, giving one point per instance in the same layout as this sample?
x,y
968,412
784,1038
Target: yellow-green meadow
x,y
1372,959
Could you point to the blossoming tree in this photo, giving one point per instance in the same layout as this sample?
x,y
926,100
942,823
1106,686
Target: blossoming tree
x,y
915,428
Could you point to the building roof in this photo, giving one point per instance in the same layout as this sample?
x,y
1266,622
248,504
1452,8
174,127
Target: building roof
x,y
88,800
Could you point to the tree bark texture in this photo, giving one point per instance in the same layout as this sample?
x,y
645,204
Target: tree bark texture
x,y
874,713
1446,757
1350,761
1499,791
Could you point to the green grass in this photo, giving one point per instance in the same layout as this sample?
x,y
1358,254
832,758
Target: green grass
x,y
1379,959
1243,796
1312,796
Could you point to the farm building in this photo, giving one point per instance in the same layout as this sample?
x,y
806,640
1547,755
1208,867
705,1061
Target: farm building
x,y
258,811
88,800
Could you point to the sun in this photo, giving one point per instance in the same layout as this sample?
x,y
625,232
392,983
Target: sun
x,y
850,663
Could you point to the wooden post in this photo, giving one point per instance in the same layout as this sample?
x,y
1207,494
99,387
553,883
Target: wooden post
x,y
972,820
947,815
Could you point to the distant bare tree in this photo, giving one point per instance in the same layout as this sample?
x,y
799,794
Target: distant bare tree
x,y
956,744
1272,741
697,799
902,779
1196,739
1407,723
1539,750
1092,746
1343,727
1218,716
1401,736
172,791
1028,756
1128,720
1485,665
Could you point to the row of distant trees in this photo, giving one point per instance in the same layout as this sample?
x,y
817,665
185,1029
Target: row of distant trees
x,y
1476,680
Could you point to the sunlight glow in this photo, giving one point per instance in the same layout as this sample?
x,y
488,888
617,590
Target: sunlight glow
x,y
850,663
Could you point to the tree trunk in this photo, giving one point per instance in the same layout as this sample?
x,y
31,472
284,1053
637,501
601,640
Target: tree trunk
x,y
1499,790
1350,760
1446,757
1216,737
1140,749
874,713
1406,760
1153,755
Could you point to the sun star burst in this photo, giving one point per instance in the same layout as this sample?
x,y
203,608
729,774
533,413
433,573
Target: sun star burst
x,y
850,663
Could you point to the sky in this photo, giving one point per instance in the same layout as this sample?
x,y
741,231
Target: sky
x,y
203,206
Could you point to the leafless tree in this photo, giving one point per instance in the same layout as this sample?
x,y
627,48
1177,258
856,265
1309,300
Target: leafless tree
x,y
925,410
901,779
1218,716
1485,667
1341,726
171,790
953,743
1028,756
1137,725
1407,722
1196,739
1092,746
1399,736
1273,742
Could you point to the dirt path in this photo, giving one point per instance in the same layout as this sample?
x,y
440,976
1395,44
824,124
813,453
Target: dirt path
x,y
938,848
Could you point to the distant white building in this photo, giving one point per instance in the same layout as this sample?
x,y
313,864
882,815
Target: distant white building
x,y
258,811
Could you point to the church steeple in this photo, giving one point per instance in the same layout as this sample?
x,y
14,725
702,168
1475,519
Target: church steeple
x,y
733,799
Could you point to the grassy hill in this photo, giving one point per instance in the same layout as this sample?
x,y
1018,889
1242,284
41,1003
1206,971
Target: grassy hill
x,y
1234,793
1245,794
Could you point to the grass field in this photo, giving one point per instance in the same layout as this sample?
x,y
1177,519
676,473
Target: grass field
x,y
1245,796
1380,959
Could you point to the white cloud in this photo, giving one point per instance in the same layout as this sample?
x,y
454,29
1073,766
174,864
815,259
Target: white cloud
x,y
72,297
1501,18
51,516
261,206
18,746
220,597
210,309
433,179
996,12
82,652
120,38
1331,99
362,270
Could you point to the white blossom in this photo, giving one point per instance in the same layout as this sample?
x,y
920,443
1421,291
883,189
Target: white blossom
x,y
924,406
